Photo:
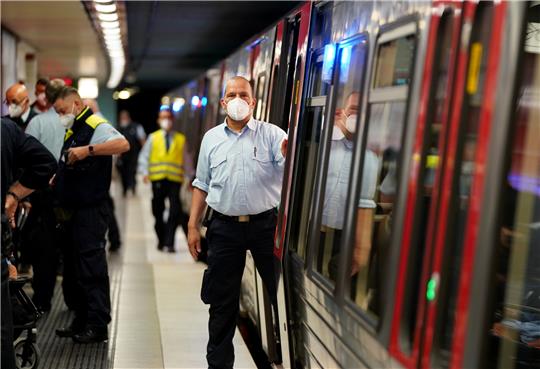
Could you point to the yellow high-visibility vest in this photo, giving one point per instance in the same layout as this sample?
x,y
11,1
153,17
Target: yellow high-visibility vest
x,y
165,164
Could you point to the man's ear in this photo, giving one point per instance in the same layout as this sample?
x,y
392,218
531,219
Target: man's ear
x,y
253,102
223,103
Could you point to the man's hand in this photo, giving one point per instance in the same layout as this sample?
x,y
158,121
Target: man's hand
x,y
194,241
11,208
284,147
77,153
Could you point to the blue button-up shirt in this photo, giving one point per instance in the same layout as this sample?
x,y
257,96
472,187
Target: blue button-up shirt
x,y
241,172
337,182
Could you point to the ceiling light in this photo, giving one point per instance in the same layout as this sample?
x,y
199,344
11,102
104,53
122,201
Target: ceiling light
x,y
108,17
103,1
124,95
105,8
112,37
110,25
111,31
88,88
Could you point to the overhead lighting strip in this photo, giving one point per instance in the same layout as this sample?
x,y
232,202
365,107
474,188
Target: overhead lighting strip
x,y
109,22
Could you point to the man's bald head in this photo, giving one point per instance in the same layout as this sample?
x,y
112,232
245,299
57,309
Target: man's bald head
x,y
17,94
238,81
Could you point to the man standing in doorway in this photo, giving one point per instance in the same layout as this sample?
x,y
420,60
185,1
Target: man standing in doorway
x,y
239,175
127,162
163,163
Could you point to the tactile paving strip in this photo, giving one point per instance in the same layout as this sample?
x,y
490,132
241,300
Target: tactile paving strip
x,y
63,353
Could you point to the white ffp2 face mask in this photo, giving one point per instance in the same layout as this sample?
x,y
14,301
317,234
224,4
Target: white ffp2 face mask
x,y
165,124
350,124
15,110
237,109
68,119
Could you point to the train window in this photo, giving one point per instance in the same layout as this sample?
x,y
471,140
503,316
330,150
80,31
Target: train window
x,y
464,170
380,169
393,62
431,152
350,63
310,137
514,338
260,96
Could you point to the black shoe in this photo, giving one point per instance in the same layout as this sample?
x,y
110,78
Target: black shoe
x,y
170,249
91,335
68,331
114,247
160,247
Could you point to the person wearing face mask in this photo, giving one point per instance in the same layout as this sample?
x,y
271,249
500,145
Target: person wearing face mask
x,y
127,162
336,189
40,235
81,187
162,162
40,105
239,175
19,105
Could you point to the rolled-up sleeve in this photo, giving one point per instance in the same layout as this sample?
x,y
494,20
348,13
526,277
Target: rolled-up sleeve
x,y
202,175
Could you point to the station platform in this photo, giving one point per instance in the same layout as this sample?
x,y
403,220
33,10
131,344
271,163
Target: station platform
x,y
158,319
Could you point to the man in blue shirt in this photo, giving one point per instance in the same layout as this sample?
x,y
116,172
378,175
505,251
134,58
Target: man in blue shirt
x,y
239,175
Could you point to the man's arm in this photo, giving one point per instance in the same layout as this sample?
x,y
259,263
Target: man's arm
x,y
198,205
112,147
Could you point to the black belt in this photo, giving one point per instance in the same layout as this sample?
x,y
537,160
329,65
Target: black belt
x,y
243,218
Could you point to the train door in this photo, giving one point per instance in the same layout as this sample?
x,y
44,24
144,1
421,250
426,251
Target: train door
x,y
287,87
446,173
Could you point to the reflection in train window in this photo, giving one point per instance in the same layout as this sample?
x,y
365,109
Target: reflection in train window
x,y
351,61
310,137
464,171
393,62
260,95
379,179
514,338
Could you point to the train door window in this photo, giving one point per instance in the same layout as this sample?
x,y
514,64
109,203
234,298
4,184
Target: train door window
x,y
260,95
378,186
308,154
514,338
437,115
348,89
462,183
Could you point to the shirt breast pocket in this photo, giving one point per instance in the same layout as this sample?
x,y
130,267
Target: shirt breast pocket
x,y
263,166
218,171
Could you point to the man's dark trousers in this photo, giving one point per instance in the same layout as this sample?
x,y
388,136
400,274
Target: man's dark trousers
x,y
92,295
166,231
227,244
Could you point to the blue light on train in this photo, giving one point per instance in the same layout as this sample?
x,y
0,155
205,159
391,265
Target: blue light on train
x,y
344,63
178,105
164,107
195,101
204,101
328,62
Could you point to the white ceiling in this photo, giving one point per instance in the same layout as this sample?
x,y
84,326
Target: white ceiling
x,y
61,32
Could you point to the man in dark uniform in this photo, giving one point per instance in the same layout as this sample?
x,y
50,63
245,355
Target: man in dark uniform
x,y
239,174
19,105
82,186
19,152
127,162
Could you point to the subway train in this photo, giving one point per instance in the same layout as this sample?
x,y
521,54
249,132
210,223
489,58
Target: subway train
x,y
409,222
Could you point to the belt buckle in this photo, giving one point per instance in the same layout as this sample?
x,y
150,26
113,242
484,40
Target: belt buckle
x,y
243,218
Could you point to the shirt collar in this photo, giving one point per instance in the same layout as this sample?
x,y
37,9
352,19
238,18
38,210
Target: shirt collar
x,y
251,124
24,116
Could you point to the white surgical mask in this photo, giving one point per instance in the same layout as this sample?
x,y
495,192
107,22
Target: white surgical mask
x,y
350,124
337,134
165,124
15,110
237,109
68,119
41,99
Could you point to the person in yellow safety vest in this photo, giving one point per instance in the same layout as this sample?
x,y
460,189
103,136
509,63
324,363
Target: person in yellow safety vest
x,y
162,162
